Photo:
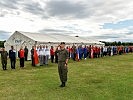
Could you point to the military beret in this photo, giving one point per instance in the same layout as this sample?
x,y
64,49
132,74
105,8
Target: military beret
x,y
62,43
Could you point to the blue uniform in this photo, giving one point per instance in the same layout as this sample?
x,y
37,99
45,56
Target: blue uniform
x,y
80,53
85,52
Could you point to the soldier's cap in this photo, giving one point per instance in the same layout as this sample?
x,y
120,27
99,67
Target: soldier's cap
x,y
62,43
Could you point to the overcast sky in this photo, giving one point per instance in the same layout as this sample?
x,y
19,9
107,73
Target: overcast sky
x,y
109,20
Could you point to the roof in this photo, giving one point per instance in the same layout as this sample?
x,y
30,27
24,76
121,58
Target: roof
x,y
58,38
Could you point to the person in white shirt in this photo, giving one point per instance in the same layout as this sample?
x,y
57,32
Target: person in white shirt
x,y
44,54
37,49
104,51
47,54
41,56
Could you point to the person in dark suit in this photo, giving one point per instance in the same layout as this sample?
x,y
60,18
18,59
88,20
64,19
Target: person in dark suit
x,y
32,56
12,56
26,53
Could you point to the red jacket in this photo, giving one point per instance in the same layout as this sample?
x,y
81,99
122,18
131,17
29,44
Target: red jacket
x,y
21,53
51,51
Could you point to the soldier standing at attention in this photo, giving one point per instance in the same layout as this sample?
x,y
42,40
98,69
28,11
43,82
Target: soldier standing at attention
x,y
4,55
63,57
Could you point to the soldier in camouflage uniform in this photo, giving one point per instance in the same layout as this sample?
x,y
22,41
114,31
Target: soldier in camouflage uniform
x,y
63,57
4,55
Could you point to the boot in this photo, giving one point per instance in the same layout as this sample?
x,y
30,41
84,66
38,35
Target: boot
x,y
63,84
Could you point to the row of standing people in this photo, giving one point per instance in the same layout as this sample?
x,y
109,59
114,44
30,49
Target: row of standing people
x,y
22,54
41,54
79,52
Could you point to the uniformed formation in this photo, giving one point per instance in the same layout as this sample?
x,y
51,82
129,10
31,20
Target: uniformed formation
x,y
22,54
83,52
40,55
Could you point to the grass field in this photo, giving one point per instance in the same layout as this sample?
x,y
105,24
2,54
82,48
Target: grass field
x,y
108,78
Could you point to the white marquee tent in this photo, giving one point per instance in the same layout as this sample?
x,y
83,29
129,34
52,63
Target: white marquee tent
x,y
28,39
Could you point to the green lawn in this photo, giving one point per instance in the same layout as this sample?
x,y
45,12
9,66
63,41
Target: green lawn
x,y
108,78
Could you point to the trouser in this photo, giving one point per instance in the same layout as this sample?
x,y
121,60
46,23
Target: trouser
x,y
26,57
74,58
109,53
13,62
120,52
52,58
4,63
41,59
98,55
69,55
33,61
56,59
85,55
95,55
104,53
21,62
46,59
89,54
101,54
62,70
80,55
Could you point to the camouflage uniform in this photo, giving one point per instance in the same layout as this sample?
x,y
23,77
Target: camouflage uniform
x,y
62,69
4,55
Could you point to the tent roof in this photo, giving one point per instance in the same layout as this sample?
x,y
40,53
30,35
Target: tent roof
x,y
57,38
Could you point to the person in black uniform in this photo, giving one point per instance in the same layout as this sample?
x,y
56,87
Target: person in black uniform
x,y
12,56
56,56
32,56
25,53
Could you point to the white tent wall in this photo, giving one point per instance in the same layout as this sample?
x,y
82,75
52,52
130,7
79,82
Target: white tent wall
x,y
17,40
28,39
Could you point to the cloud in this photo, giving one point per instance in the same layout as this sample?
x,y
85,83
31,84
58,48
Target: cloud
x,y
10,4
9,7
57,31
65,8
33,7
92,18
52,30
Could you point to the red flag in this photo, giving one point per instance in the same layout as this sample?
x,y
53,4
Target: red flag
x,y
36,57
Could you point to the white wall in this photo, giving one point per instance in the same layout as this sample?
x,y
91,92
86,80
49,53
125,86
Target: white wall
x,y
17,40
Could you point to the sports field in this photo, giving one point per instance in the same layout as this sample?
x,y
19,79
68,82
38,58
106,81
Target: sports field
x,y
108,78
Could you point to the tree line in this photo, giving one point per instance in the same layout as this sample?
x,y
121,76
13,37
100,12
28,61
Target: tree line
x,y
2,43
119,43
